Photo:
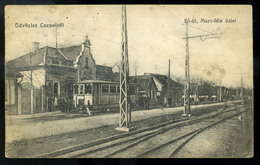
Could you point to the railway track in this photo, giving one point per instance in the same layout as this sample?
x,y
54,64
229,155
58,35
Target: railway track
x,y
134,143
176,144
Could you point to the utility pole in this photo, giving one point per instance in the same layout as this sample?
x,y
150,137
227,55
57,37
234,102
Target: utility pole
x,y
186,111
45,105
31,79
220,91
242,92
169,85
56,32
124,97
237,94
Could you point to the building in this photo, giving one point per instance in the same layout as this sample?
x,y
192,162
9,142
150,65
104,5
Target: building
x,y
206,92
49,74
153,91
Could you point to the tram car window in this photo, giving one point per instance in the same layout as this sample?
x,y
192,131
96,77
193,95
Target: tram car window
x,y
112,88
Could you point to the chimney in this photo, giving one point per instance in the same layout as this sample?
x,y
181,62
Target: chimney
x,y
35,46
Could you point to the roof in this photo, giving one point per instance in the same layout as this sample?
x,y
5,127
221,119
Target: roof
x,y
71,52
34,59
163,79
28,59
106,73
97,81
12,74
103,68
142,80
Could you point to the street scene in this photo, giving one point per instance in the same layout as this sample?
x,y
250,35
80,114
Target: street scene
x,y
128,81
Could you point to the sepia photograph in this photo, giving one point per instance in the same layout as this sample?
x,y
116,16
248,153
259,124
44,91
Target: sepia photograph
x,y
129,81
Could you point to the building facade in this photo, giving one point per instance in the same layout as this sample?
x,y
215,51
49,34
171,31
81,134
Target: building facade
x,y
49,74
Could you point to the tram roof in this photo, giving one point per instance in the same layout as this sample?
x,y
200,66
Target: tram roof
x,y
97,82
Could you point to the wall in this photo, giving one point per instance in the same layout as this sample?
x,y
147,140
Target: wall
x,y
87,65
11,96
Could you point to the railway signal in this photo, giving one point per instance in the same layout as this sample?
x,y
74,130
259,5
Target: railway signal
x,y
124,97
186,111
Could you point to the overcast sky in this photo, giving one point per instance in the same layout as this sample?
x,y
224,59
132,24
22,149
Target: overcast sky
x,y
155,35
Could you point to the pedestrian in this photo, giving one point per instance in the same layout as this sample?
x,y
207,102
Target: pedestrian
x,y
65,105
50,104
88,108
165,102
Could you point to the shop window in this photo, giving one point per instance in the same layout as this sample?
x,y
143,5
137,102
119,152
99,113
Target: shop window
x,y
105,89
88,88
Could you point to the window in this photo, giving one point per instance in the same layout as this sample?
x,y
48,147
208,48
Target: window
x,y
151,93
81,89
105,89
86,63
88,88
55,89
112,88
118,89
76,89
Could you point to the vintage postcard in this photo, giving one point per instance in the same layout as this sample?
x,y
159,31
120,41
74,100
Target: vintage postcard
x,y
129,81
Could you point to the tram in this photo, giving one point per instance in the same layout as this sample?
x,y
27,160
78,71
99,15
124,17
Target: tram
x,y
97,94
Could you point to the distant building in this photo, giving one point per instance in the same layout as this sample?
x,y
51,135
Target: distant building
x,y
52,72
206,92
